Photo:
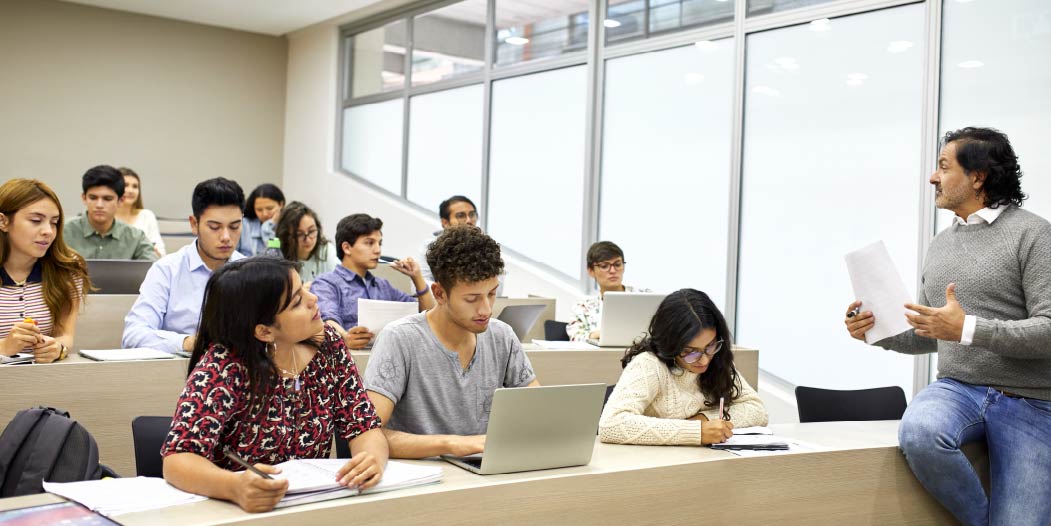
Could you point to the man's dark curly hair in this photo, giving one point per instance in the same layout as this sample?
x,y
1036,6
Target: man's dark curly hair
x,y
464,254
987,151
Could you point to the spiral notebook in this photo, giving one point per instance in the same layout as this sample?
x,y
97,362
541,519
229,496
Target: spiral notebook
x,y
314,480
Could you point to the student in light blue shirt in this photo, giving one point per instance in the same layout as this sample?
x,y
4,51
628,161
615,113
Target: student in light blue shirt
x,y
166,314
262,211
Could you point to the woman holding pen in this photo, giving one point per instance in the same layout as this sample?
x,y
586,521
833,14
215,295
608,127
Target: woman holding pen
x,y
679,385
270,382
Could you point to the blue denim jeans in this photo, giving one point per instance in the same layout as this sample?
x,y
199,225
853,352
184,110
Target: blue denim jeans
x,y
948,414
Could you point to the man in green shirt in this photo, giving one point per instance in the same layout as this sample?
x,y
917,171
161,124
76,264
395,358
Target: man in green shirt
x,y
97,234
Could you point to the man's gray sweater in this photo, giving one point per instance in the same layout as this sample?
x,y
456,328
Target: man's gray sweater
x,y
1002,273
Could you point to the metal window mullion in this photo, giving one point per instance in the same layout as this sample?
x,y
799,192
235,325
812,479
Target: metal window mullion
x,y
803,15
928,158
487,107
406,106
593,131
733,238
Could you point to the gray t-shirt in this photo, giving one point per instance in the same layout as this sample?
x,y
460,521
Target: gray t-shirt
x,y
432,394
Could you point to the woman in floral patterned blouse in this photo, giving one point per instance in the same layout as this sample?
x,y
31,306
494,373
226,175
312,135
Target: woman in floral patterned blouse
x,y
270,381
606,267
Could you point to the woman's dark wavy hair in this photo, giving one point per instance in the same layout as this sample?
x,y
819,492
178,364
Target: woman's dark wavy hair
x,y
678,320
267,190
987,151
288,225
239,296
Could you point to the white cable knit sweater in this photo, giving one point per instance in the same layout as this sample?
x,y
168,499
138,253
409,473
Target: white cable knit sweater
x,y
650,404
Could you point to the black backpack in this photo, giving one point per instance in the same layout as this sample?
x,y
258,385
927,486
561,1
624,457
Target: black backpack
x,y
41,444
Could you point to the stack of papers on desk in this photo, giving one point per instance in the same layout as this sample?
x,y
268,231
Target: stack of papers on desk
x,y
314,480
116,355
113,497
17,358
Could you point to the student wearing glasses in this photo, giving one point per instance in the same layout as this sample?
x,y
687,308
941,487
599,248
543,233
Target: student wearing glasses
x,y
299,231
674,380
456,210
606,267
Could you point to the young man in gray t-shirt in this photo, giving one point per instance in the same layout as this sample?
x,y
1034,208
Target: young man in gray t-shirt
x,y
431,376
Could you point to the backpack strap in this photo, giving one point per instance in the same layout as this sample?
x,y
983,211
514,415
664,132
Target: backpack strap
x,y
12,440
52,436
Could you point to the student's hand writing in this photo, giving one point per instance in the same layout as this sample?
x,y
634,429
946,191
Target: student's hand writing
x,y
23,335
461,446
358,337
362,471
945,323
407,266
256,494
860,322
716,431
47,351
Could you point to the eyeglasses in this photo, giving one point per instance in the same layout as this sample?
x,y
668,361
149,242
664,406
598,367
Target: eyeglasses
x,y
605,265
463,216
694,355
309,234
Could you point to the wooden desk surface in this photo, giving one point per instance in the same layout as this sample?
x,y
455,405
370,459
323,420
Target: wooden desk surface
x,y
861,478
106,396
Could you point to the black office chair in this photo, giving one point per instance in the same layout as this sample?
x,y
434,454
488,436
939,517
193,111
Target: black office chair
x,y
609,391
342,447
148,433
827,405
555,331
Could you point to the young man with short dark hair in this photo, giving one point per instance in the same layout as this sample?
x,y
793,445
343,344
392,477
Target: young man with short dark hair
x,y
98,234
359,242
431,376
456,210
166,314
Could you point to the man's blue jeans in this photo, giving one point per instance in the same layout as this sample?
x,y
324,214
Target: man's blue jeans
x,y
948,414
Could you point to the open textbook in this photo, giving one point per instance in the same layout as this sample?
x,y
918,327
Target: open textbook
x,y
313,480
878,285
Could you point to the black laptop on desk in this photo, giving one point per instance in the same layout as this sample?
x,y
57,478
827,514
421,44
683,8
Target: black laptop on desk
x,y
117,276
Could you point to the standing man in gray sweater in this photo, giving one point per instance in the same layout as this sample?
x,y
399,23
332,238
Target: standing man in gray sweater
x,y
985,307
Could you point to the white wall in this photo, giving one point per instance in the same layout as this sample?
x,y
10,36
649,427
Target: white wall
x,y
309,164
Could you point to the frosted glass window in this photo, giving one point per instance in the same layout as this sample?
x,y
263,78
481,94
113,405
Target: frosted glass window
x,y
449,42
377,60
372,143
536,166
665,196
831,163
989,78
445,146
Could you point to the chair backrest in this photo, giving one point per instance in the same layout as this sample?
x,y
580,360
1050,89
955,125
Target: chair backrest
x,y
148,433
555,331
827,405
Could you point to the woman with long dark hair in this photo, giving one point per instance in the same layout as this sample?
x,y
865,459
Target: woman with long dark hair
x,y
675,378
303,241
270,381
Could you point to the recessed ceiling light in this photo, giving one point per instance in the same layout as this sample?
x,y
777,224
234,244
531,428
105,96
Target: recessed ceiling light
x,y
855,82
609,22
971,64
517,41
706,45
857,76
766,90
821,24
899,46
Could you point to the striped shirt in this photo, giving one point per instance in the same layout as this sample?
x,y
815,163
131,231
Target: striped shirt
x,y
18,301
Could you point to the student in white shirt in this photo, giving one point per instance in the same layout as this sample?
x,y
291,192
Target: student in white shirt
x,y
606,266
132,212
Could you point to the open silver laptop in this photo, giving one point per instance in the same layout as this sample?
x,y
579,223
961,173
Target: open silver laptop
x,y
533,428
117,276
521,318
626,317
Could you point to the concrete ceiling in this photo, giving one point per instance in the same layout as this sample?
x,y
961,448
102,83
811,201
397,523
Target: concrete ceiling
x,y
270,17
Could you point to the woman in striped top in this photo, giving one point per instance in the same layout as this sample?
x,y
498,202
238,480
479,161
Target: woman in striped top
x,y
43,279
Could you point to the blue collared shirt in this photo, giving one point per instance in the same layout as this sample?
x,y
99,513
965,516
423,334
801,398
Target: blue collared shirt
x,y
169,305
338,292
254,236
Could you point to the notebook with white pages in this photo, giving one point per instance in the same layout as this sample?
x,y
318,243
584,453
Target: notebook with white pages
x,y
17,358
314,480
116,355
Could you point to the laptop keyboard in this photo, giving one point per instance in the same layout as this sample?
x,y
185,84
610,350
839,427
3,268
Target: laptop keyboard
x,y
472,461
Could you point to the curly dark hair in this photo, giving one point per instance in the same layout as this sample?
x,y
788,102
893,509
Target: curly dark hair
x,y
464,254
987,151
679,319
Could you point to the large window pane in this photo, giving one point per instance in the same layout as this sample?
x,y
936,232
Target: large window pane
x,y
831,163
372,143
531,29
536,166
988,78
449,42
687,94
630,18
377,60
445,146
762,7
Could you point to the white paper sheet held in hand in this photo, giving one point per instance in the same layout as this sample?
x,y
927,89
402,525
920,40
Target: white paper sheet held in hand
x,y
376,314
878,285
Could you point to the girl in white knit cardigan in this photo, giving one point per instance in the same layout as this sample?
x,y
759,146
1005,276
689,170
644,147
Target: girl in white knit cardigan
x,y
673,380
